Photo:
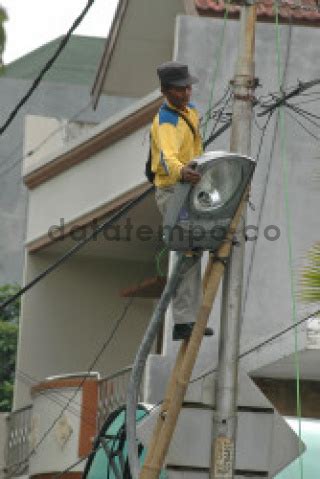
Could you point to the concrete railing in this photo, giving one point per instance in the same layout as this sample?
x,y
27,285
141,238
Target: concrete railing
x,y
113,393
17,448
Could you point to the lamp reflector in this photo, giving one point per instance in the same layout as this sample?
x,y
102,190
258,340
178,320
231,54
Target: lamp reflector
x,y
199,216
217,186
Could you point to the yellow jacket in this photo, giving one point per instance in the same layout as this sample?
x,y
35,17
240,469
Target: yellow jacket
x,y
173,144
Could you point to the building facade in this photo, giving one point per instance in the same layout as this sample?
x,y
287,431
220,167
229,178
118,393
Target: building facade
x,y
74,187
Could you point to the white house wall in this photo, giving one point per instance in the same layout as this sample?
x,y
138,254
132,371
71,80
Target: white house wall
x,y
62,446
67,317
268,302
87,186
51,134
57,100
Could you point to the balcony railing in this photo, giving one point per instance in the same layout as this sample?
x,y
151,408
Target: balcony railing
x,y
113,393
17,447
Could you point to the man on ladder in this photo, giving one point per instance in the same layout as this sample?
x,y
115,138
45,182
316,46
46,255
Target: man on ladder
x,y
175,142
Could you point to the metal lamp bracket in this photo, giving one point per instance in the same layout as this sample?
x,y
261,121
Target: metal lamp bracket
x,y
245,81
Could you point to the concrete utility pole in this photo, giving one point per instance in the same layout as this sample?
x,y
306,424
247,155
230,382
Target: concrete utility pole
x,y
225,417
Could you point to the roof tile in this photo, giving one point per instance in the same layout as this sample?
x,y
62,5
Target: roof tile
x,y
296,11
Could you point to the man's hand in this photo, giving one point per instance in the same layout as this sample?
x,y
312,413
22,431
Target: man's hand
x,y
189,175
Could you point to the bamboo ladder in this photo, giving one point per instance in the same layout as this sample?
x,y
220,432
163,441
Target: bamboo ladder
x,y
186,358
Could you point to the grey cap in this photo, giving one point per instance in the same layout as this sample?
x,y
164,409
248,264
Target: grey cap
x,y
175,74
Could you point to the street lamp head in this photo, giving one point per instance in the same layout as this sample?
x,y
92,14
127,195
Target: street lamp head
x,y
199,217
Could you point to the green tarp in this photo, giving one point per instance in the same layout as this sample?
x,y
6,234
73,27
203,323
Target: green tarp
x,y
309,468
109,458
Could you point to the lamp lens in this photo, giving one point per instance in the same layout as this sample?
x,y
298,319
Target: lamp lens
x,y
217,186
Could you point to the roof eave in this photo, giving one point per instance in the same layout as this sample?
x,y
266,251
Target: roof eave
x,y
190,9
108,50
113,130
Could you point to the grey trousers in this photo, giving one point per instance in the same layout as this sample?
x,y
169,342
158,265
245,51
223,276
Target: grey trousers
x,y
187,298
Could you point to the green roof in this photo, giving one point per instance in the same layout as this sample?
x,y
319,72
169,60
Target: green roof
x,y
77,64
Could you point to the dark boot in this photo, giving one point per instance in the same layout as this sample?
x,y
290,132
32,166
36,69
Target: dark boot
x,y
184,330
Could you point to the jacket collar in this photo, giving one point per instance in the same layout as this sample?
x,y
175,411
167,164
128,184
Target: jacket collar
x,y
166,102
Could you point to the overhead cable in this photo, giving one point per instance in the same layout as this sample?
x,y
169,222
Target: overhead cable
x,y
215,71
40,144
105,225
70,400
46,67
55,396
302,86
267,176
262,343
288,214
303,126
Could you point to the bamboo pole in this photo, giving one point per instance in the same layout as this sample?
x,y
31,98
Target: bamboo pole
x,y
181,376
171,385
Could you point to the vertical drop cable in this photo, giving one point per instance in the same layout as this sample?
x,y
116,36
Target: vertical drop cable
x,y
289,234
267,176
215,71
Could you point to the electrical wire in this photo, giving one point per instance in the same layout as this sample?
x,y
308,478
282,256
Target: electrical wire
x,y
180,266
40,145
74,464
12,166
55,397
303,126
80,244
71,399
219,132
42,275
263,132
218,115
214,110
18,161
80,460
216,70
7,158
311,100
213,113
267,177
92,365
261,209
281,99
46,67
306,115
106,224
110,337
241,356
221,116
285,177
262,343
68,468
255,348
310,93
